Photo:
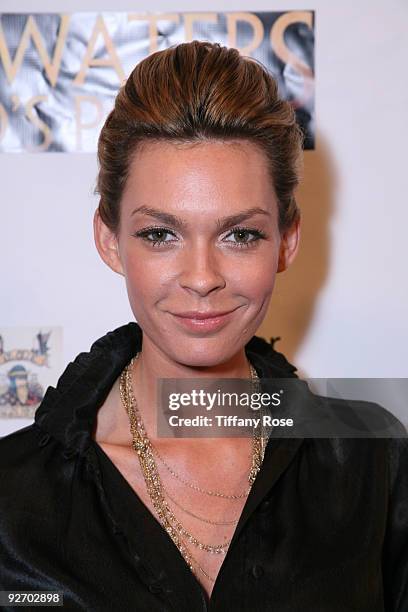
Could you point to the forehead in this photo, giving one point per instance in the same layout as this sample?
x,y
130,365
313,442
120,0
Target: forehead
x,y
207,175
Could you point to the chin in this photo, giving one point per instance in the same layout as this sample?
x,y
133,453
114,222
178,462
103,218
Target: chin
x,y
204,352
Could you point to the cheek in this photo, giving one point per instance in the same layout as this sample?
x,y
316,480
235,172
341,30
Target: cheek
x,y
142,284
256,277
146,277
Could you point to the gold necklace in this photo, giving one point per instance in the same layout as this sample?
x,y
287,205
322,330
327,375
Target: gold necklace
x,y
196,487
143,448
253,471
141,445
155,488
199,518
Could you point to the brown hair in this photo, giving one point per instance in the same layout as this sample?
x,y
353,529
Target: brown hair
x,y
193,92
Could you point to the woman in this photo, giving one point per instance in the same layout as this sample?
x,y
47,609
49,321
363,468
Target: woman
x,y
199,162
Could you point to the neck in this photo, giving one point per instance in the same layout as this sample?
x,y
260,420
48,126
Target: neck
x,y
152,365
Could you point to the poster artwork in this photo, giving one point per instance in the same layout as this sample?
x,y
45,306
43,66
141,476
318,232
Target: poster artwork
x,y
30,360
60,73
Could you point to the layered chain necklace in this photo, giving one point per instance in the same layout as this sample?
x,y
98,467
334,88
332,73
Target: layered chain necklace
x,y
155,488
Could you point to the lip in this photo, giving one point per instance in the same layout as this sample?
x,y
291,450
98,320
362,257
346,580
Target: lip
x,y
196,314
204,321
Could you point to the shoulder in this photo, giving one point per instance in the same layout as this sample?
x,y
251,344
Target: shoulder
x,y
319,416
18,446
21,450
360,419
370,438
22,466
366,468
35,481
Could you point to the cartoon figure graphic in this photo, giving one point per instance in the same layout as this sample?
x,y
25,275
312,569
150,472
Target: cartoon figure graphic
x,y
19,383
23,390
28,364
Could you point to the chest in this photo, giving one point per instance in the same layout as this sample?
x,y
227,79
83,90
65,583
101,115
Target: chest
x,y
204,523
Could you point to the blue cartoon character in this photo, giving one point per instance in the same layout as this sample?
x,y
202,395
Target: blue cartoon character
x,y
23,389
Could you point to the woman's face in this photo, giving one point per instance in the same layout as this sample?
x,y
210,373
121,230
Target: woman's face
x,y
198,236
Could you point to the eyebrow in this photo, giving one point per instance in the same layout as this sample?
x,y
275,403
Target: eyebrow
x,y
222,223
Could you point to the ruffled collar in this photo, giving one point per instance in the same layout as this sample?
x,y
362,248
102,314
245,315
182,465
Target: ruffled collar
x,y
68,411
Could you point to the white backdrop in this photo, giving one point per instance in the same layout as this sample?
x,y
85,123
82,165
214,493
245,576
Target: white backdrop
x,y
341,309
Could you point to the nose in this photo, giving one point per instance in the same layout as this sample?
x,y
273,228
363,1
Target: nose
x,y
201,270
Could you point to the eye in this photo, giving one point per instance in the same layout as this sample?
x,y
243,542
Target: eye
x,y
159,235
243,235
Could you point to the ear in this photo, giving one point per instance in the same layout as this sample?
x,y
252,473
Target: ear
x,y
107,244
289,246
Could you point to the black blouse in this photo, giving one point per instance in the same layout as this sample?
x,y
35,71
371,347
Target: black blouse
x,y
324,528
